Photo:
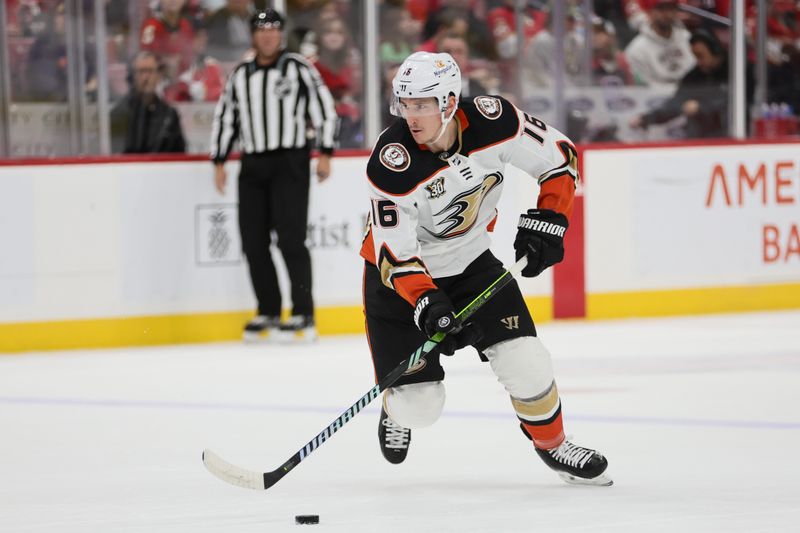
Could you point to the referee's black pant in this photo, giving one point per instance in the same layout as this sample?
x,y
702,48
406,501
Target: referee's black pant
x,y
273,195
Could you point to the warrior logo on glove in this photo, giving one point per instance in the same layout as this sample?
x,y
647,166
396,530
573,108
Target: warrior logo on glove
x,y
434,314
540,236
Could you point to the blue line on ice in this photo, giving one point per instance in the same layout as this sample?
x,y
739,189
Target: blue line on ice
x,y
136,404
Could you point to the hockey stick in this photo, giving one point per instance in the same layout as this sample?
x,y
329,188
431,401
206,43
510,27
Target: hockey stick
x,y
261,481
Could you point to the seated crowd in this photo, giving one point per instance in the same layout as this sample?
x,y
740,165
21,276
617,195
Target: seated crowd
x,y
195,43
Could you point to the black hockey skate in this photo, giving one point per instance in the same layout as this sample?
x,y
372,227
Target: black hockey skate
x,y
576,464
261,328
394,439
298,328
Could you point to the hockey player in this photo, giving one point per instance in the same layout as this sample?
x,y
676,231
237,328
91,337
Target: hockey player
x,y
435,178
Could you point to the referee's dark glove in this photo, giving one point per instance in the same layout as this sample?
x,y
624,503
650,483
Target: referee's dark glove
x,y
434,314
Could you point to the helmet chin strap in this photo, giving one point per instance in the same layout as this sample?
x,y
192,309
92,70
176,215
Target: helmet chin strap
x,y
443,127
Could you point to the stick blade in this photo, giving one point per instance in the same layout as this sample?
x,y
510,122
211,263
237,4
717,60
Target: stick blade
x,y
231,473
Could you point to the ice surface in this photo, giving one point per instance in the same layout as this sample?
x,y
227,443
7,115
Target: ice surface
x,y
699,417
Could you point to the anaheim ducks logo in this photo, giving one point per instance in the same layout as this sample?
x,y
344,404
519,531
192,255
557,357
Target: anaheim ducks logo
x,y
462,212
395,157
489,107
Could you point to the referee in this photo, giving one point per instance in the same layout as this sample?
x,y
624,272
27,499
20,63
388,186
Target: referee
x,y
269,105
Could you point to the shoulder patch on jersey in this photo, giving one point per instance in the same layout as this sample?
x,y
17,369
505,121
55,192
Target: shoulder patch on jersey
x,y
492,120
395,157
489,106
390,167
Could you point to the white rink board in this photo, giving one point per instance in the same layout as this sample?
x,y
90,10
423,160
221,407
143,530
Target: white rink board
x,y
659,218
136,239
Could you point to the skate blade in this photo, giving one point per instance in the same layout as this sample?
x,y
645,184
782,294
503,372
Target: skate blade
x,y
251,337
302,336
600,481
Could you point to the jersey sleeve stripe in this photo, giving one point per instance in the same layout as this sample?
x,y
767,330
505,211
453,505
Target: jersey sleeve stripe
x,y
558,194
412,285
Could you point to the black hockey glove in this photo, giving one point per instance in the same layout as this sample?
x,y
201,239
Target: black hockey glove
x,y
467,335
540,235
434,314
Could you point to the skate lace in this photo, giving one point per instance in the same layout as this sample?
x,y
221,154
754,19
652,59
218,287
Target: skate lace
x,y
397,437
259,320
264,321
569,454
298,322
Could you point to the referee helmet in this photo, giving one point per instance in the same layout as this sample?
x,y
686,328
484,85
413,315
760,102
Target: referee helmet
x,y
268,18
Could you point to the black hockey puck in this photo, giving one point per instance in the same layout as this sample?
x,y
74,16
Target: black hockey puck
x,y
306,519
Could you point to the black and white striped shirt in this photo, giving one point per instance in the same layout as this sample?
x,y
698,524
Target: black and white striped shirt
x,y
267,108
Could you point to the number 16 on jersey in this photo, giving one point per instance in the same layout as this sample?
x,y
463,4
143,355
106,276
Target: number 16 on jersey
x,y
384,213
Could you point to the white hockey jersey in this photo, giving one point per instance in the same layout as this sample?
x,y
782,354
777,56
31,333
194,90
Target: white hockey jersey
x,y
431,214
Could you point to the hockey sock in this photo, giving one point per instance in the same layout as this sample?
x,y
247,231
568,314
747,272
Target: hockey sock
x,y
541,418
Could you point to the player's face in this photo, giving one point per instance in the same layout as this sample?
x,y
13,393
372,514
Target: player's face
x,y
423,118
267,41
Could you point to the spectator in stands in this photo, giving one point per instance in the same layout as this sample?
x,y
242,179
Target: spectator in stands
x,y
503,26
211,6
477,33
636,15
305,13
47,62
229,31
204,79
609,65
303,41
118,28
449,21
474,82
25,18
783,75
419,9
339,64
540,55
399,34
702,94
618,14
142,122
169,35
660,54
389,70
